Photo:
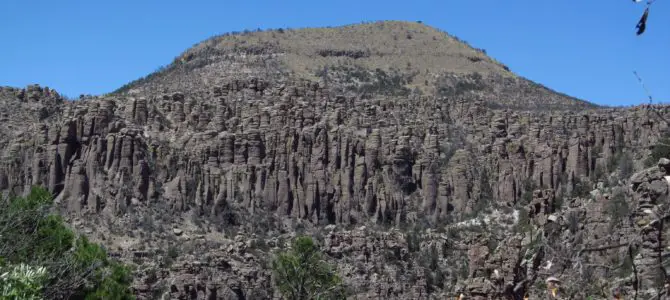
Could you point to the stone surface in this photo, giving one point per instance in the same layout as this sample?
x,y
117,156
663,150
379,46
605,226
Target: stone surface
x,y
199,174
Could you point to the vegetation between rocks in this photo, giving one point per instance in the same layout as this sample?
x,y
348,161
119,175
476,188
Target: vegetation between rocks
x,y
41,258
300,273
660,150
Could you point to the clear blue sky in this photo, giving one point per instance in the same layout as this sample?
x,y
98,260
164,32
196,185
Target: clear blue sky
x,y
586,49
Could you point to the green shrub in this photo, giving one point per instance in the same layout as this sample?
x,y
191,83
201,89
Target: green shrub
x,y
573,221
300,273
626,167
660,150
112,282
598,173
558,200
529,187
172,254
524,224
485,195
618,209
22,282
413,240
580,188
75,268
623,162
429,261
467,84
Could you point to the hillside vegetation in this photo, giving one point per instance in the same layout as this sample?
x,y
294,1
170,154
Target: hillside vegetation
x,y
409,164
41,258
422,58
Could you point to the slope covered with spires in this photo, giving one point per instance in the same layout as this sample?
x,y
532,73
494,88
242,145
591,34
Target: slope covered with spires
x,y
424,168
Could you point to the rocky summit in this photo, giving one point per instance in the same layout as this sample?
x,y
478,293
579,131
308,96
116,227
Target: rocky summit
x,y
422,167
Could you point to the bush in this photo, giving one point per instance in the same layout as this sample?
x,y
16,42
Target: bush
x,y
598,173
573,221
529,187
429,260
22,282
464,85
75,268
581,188
626,167
362,81
623,162
524,224
660,150
618,209
413,240
301,273
485,193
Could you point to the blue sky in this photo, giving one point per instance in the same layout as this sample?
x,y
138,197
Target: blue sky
x,y
587,49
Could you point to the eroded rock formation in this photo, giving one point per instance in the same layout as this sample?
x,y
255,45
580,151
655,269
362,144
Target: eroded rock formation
x,y
413,195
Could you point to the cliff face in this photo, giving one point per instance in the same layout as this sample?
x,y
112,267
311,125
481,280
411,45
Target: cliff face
x,y
290,149
416,192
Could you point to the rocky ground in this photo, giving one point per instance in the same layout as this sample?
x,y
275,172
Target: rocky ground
x,y
477,182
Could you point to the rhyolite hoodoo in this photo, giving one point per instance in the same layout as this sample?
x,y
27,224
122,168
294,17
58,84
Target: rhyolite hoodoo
x,y
424,168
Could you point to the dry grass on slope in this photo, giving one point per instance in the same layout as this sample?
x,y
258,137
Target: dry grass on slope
x,y
408,46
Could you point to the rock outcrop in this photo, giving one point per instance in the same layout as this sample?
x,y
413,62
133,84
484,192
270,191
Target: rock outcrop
x,y
414,195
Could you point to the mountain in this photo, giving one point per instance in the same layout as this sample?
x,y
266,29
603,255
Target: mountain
x,y
424,168
390,58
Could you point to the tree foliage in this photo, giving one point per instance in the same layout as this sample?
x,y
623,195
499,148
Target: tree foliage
x,y
33,238
301,274
22,282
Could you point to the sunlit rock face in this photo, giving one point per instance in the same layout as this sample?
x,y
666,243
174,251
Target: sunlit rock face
x,y
420,185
